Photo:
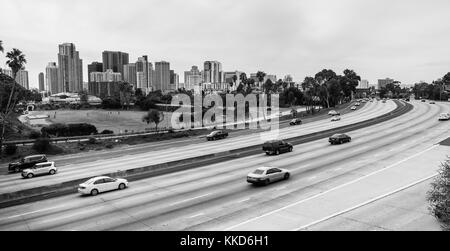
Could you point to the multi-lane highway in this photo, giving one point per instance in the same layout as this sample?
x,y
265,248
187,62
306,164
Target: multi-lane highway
x,y
326,181
182,150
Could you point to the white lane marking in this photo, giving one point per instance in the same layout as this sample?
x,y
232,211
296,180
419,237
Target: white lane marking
x,y
198,197
312,178
365,203
195,216
330,190
33,212
242,201
338,169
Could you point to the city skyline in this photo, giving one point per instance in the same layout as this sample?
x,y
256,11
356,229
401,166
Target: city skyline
x,y
302,42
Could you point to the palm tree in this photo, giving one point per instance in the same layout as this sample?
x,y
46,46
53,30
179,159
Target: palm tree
x,y
260,76
16,61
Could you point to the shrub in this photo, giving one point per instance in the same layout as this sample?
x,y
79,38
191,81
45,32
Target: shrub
x,y
70,130
439,196
35,135
42,145
10,149
105,132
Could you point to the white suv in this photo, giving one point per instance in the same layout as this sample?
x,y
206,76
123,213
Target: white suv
x,y
40,169
444,116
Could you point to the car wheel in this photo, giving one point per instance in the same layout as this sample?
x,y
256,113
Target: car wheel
x,y
277,152
287,176
16,169
291,149
30,175
266,182
52,172
121,186
94,192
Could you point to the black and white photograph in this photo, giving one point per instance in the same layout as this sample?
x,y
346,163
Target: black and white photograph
x,y
198,117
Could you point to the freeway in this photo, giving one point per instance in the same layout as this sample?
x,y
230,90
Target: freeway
x,y
171,152
381,159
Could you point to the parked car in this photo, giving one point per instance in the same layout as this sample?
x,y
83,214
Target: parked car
x,y
40,169
354,108
216,135
357,104
101,184
432,103
267,175
334,113
340,139
444,117
423,101
26,163
295,122
277,146
336,118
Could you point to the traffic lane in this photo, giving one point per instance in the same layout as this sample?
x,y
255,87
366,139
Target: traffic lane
x,y
144,148
69,172
407,210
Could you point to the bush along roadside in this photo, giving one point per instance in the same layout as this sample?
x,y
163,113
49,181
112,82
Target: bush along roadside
x,y
439,196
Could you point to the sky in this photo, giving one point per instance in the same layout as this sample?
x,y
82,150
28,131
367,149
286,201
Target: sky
x,y
408,40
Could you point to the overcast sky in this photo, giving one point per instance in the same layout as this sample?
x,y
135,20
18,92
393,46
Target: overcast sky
x,y
408,40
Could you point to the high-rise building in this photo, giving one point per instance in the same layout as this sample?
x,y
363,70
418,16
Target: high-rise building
x,y
162,76
174,80
41,82
21,77
51,78
364,84
108,76
144,74
130,74
94,67
115,60
212,72
70,68
382,83
192,78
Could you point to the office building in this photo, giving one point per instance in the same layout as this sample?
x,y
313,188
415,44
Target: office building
x,y
51,78
364,84
115,60
382,83
41,82
108,76
161,79
144,74
212,72
94,67
70,74
130,74
192,78
21,77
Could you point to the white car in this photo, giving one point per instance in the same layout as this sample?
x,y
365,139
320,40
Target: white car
x,y
354,108
336,118
357,104
102,184
267,175
40,169
444,117
334,113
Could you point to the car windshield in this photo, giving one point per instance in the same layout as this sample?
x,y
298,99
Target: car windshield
x,y
258,171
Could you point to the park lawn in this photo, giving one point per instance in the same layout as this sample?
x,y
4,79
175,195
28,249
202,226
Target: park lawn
x,y
117,121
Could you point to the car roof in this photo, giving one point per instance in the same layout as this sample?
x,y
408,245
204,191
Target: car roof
x,y
265,168
44,163
35,156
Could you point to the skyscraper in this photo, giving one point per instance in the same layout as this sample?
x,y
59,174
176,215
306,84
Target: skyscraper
x,y
144,74
94,67
130,74
51,78
174,80
41,82
70,68
192,78
162,76
115,60
212,72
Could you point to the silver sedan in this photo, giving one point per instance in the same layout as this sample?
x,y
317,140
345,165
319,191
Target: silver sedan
x,y
267,175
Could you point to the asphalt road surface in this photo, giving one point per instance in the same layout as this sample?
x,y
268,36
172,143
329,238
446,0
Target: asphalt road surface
x,y
217,197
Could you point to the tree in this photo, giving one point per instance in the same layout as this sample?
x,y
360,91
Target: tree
x,y
153,116
260,76
16,61
1,47
84,98
439,196
268,86
125,92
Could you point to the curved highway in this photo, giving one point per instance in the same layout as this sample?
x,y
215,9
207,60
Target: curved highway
x,y
217,197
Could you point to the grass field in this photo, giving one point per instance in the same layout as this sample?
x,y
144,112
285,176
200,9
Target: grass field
x,y
117,121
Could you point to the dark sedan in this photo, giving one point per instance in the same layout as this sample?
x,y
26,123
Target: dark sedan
x,y
340,139
295,122
216,135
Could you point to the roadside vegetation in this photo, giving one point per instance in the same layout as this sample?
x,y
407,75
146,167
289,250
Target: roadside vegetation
x,y
439,196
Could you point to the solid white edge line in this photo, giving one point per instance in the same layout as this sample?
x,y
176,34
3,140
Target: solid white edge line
x,y
331,190
364,203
